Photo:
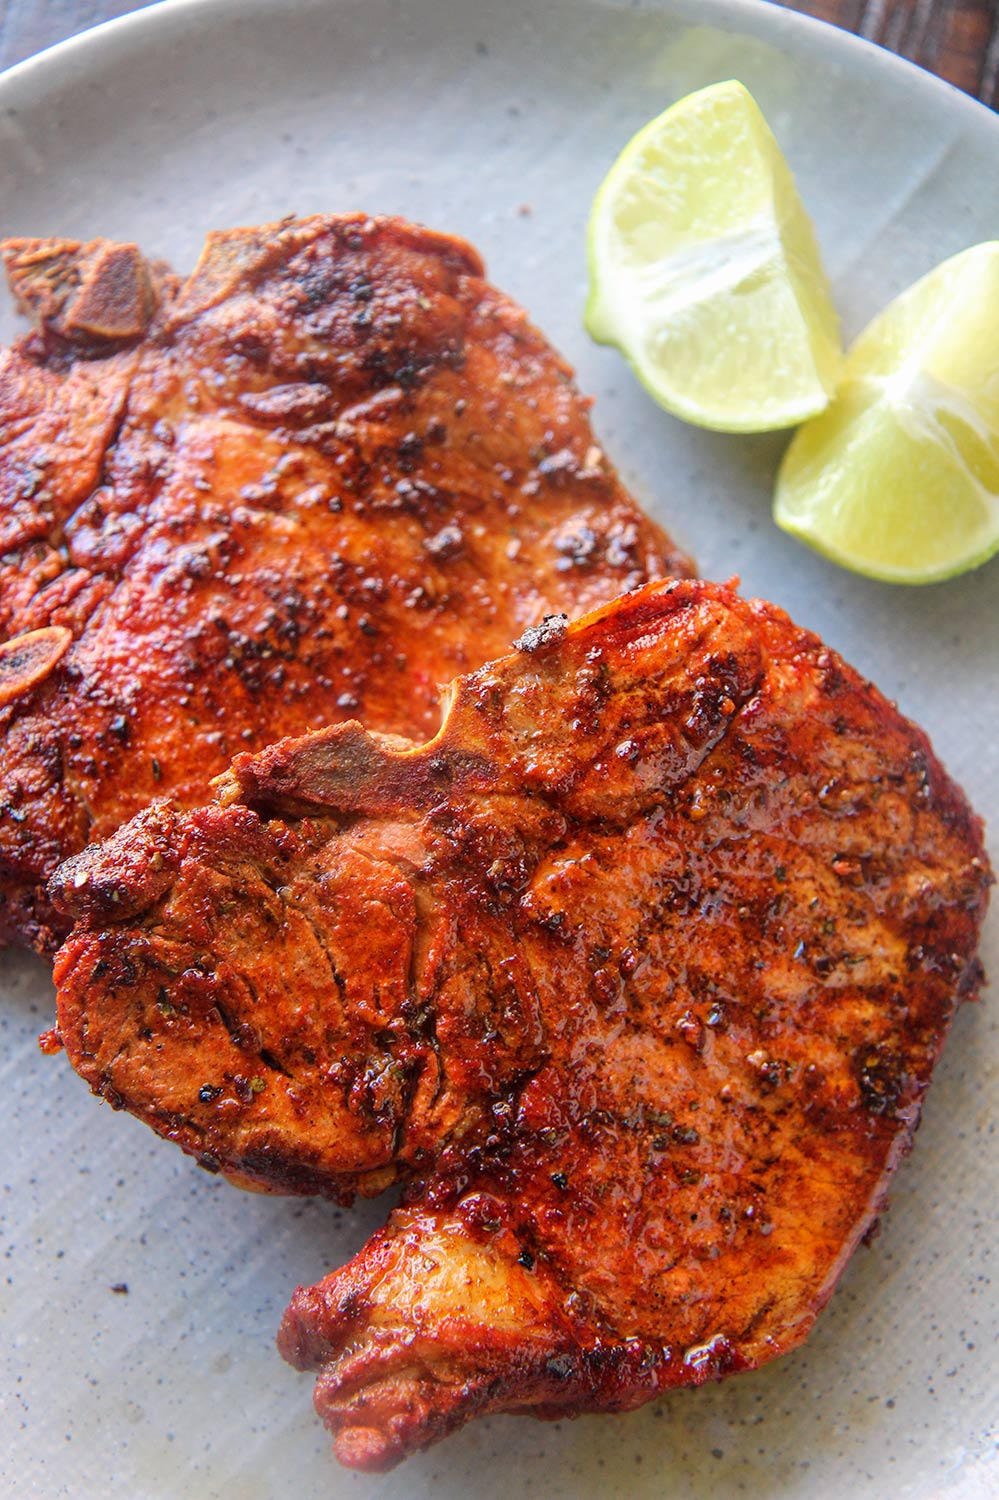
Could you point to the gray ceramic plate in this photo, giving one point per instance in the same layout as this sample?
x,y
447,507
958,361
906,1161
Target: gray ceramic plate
x,y
498,121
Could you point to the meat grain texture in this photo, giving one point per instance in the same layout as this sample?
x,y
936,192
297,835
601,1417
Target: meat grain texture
x,y
635,975
314,482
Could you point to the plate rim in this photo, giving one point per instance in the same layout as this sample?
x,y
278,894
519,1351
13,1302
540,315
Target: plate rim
x,y
68,61
34,75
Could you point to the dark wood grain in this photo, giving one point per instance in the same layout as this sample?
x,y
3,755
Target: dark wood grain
x,y
959,39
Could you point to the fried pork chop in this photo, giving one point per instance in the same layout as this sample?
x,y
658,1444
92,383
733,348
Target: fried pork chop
x,y
326,474
635,974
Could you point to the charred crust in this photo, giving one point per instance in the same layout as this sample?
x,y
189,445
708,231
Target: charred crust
x,y
28,659
548,633
881,1077
90,295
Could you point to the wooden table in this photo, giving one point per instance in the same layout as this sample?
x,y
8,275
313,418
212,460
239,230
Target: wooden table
x,y
959,39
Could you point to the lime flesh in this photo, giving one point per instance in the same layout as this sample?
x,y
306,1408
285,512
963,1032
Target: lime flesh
x,y
899,479
705,273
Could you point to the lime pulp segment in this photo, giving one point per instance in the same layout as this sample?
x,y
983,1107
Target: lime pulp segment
x,y
705,272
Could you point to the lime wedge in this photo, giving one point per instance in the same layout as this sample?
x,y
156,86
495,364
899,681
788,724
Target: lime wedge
x,y
899,479
705,273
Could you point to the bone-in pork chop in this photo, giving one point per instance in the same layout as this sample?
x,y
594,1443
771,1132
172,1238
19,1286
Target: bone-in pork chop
x,y
321,478
636,975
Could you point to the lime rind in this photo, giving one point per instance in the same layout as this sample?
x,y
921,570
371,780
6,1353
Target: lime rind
x,y
867,567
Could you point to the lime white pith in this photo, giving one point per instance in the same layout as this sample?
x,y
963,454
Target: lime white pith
x,y
705,273
899,479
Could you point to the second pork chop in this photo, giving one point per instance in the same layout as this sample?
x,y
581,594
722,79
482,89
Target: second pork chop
x,y
636,976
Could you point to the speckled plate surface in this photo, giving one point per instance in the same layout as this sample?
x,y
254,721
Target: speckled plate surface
x,y
498,121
